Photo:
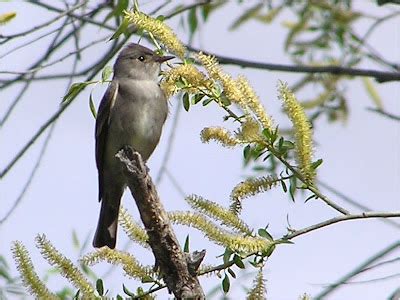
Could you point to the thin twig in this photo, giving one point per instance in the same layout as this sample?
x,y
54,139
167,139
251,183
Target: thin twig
x,y
384,113
354,203
380,76
364,215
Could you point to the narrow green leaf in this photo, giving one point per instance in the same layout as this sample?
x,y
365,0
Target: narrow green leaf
x,y
316,163
107,71
127,292
119,297
76,297
192,20
207,101
247,153
265,234
122,29
186,102
147,279
74,90
99,287
186,246
238,262
230,271
227,255
284,187
75,240
226,284
92,106
197,98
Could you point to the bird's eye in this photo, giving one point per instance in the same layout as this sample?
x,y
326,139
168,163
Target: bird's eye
x,y
141,58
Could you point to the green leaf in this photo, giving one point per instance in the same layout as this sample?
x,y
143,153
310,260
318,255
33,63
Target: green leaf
x,y
227,255
92,106
265,234
316,163
74,91
247,154
186,246
226,284
119,297
192,20
100,287
246,16
75,240
197,98
230,271
238,261
269,251
147,279
76,297
107,71
186,102
127,292
122,29
284,187
372,92
207,101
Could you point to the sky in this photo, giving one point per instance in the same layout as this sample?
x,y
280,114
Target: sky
x,y
361,159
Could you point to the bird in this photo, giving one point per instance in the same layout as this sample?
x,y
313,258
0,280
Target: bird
x,y
132,113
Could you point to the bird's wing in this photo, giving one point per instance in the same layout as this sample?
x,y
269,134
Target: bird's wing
x,y
102,123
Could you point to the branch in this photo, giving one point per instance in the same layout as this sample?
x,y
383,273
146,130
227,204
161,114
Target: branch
x,y
176,268
380,76
364,215
384,113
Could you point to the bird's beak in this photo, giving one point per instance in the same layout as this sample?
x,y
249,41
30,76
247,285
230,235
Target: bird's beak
x,y
162,59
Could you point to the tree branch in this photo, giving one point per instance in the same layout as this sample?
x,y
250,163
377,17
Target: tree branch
x,y
380,76
177,269
364,215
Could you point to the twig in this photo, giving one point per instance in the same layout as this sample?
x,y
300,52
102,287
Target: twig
x,y
62,14
173,264
353,202
364,215
357,270
384,113
380,76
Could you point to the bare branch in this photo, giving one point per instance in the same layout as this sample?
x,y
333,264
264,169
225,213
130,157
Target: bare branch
x,y
175,267
380,76
364,215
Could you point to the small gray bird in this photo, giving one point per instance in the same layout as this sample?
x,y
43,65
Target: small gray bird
x,y
132,112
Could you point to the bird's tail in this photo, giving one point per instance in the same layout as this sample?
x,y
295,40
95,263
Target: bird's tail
x,y
106,232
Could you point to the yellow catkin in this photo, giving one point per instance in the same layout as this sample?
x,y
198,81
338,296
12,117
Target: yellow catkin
x,y
190,74
28,275
216,211
65,266
258,292
251,100
159,30
220,135
128,262
302,131
250,187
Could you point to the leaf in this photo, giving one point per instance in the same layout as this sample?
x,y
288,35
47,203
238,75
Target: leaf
x,y
75,240
372,92
227,255
74,91
197,98
107,71
7,17
247,153
192,20
265,234
317,163
226,284
230,271
207,101
186,102
147,279
127,292
122,29
246,16
284,187
92,106
186,246
100,287
238,262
